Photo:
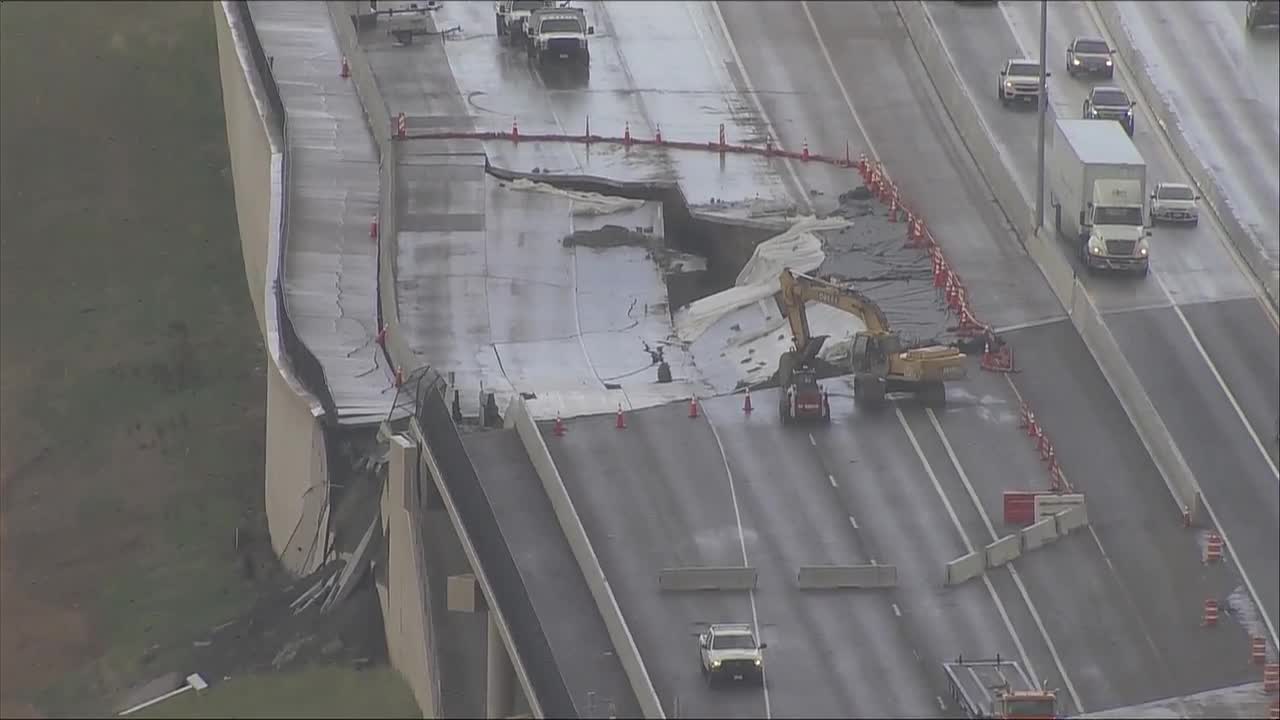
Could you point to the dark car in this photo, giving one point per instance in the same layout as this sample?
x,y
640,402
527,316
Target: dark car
x,y
1090,56
1107,102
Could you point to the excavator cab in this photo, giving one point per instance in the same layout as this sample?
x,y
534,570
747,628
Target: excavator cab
x,y
870,360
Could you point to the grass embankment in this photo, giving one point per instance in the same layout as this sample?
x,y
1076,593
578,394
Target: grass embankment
x,y
132,395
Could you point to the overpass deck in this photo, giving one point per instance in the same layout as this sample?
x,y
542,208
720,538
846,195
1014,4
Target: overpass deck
x,y
329,270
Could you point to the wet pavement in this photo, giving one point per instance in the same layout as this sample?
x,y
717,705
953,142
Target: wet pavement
x,y
1174,348
329,270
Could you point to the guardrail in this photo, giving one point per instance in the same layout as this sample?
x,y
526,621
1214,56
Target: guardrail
x,y
1057,270
533,655
301,361
623,642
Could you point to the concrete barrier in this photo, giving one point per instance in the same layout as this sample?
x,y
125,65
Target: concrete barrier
x,y
707,578
1250,248
1006,549
833,577
965,567
1049,504
624,644
1039,534
1052,262
1069,520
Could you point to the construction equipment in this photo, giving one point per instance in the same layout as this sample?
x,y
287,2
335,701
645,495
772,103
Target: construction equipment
x,y
986,689
880,364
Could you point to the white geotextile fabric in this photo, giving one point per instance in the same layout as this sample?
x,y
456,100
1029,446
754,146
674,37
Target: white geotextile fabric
x,y
797,248
584,203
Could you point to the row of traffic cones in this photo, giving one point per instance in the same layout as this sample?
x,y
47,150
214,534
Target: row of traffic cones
x,y
1027,421
620,419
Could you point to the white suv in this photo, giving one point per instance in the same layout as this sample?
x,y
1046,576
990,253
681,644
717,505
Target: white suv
x,y
730,651
1174,202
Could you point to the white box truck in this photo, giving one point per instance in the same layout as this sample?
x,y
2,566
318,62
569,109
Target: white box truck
x,y
1097,187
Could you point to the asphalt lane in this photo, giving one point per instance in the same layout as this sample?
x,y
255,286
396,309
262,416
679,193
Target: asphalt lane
x,y
1193,263
1223,84
569,616
895,105
1211,275
1156,562
830,648
654,496
1235,477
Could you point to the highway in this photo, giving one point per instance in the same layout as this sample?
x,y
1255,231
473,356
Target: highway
x,y
1109,615
1223,84
1198,307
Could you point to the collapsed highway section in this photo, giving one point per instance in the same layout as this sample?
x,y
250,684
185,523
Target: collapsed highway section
x,y
920,440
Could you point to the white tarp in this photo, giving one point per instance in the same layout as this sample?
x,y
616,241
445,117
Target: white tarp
x,y
584,203
797,248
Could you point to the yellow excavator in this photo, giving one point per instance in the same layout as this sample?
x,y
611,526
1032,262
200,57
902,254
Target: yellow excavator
x,y
880,365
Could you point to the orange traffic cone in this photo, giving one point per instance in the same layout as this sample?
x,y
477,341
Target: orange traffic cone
x,y
558,429
693,407
621,422
746,402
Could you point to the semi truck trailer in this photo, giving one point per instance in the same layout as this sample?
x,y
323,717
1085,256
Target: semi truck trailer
x,y
1097,187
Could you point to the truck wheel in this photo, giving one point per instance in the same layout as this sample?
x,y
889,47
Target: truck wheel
x,y
933,394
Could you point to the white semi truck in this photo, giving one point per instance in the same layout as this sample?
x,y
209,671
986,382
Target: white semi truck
x,y
1097,187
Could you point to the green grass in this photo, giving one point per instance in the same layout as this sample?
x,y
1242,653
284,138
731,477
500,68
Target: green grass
x,y
128,346
129,343
316,692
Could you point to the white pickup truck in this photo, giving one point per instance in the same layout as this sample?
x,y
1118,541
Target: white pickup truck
x,y
1097,188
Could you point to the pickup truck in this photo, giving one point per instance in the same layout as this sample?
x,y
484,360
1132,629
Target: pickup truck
x,y
1019,81
510,15
1107,102
559,34
1090,56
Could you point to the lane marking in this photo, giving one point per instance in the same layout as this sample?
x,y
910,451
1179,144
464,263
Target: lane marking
x,y
1166,144
1017,579
1157,274
968,546
832,479
812,441
1213,517
1115,574
755,101
742,541
804,5
1195,340
853,522
941,705
896,611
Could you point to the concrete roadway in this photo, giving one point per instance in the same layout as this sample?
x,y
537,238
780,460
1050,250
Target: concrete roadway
x,y
570,618
1223,83
677,92
1223,417
865,35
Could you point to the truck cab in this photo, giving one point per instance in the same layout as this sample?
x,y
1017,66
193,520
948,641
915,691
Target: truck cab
x,y
559,34
510,15
1117,237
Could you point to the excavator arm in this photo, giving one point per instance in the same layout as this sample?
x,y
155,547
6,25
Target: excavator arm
x,y
798,289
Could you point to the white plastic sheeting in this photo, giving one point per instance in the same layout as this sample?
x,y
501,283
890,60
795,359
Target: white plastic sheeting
x,y
798,248
736,336
584,203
